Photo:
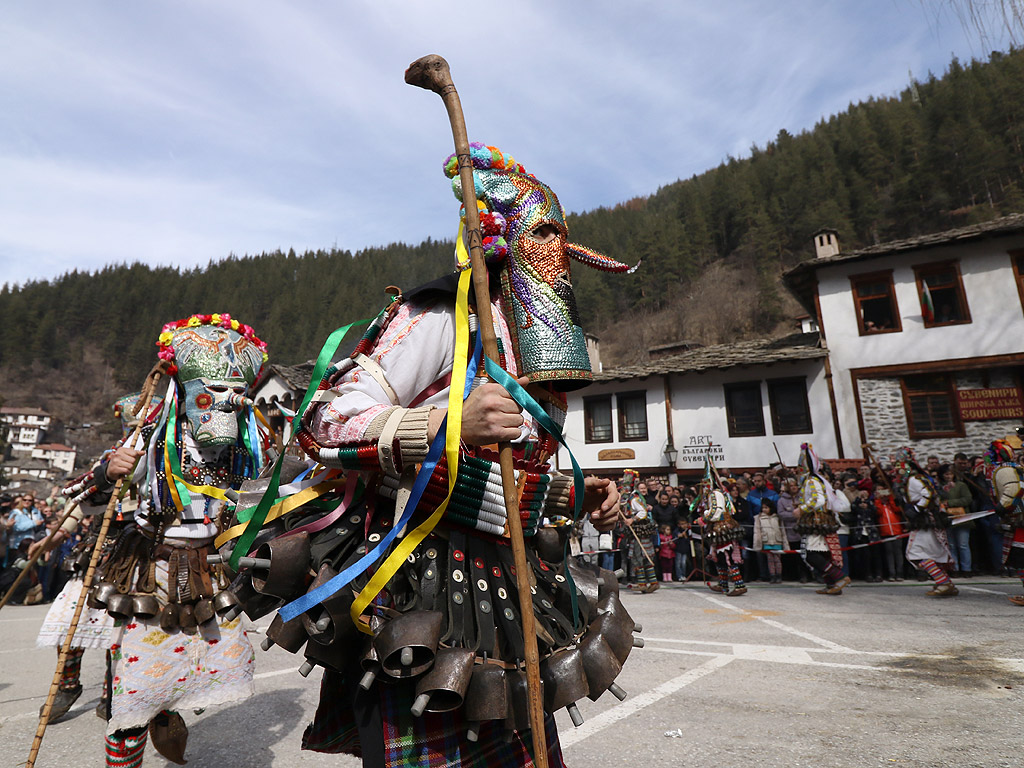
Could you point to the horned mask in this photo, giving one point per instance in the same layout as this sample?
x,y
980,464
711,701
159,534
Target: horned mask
x,y
536,288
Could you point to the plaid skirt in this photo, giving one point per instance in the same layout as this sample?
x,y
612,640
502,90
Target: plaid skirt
x,y
435,740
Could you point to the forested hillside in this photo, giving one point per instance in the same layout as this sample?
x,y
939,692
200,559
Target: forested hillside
x,y
945,152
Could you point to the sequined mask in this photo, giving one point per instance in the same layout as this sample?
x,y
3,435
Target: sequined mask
x,y
216,365
536,288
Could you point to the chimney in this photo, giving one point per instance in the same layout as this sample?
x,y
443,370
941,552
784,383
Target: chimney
x,y
826,243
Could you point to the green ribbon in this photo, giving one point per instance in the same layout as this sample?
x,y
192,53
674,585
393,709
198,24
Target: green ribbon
x,y
259,516
172,455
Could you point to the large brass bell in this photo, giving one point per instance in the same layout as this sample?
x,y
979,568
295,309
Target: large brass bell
x,y
601,666
443,688
187,619
204,611
225,602
565,682
290,635
289,566
518,717
169,618
487,697
145,607
329,622
120,607
549,544
100,593
406,645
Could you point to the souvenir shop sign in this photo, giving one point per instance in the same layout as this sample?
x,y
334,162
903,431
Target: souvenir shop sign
x,y
988,404
696,447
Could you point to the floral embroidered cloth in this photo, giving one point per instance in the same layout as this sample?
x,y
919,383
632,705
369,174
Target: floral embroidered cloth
x,y
95,626
152,670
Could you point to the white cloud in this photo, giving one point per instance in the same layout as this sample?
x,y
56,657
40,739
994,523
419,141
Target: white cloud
x,y
187,130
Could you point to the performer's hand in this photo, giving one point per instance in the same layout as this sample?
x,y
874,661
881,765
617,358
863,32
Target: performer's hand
x,y
490,415
121,462
601,502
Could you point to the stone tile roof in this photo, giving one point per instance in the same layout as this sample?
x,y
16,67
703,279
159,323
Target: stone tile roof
x,y
14,410
800,279
797,346
55,447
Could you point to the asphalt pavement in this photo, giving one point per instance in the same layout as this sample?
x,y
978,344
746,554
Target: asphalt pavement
x,y
879,676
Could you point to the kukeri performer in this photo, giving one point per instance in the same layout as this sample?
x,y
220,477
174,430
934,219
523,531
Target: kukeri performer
x,y
1007,477
927,545
436,676
641,541
95,626
817,524
170,652
723,536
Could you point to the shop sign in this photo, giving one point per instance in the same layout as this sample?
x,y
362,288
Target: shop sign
x,y
989,404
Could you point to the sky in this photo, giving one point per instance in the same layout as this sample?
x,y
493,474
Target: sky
x,y
176,133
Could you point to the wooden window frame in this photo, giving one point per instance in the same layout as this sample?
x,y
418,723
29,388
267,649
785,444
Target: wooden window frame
x,y
1018,274
883,275
588,424
912,431
776,429
733,386
642,394
921,271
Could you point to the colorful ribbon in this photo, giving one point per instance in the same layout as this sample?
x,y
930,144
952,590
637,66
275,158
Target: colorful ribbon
x,y
259,517
447,439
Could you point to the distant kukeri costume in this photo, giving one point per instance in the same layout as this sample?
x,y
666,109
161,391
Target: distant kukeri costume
x,y
723,535
1007,478
817,524
431,671
170,650
927,544
641,541
95,626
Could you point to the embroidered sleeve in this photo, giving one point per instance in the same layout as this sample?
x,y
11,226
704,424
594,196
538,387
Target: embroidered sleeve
x,y
414,352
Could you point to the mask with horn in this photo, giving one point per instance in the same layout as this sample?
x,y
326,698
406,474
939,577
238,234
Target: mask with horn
x,y
525,237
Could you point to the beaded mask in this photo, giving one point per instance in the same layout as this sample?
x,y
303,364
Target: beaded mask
x,y
217,360
539,300
124,406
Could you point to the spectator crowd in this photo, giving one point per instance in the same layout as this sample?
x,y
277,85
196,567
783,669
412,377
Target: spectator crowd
x,y
869,513
25,519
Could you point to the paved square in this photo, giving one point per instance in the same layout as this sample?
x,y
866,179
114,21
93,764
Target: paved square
x,y
881,675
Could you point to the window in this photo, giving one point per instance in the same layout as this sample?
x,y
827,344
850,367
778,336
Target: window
x,y
1017,259
743,409
632,416
787,399
875,301
930,404
597,417
941,291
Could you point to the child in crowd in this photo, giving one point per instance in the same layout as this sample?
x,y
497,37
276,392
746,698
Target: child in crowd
x,y
666,551
770,537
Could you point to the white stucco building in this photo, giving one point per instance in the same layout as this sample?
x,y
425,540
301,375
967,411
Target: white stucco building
x,y
917,342
925,336
25,427
57,455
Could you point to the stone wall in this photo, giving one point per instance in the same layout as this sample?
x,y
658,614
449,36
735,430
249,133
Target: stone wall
x,y
885,419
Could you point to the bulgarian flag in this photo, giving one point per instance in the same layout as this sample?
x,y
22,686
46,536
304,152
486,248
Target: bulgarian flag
x,y
927,308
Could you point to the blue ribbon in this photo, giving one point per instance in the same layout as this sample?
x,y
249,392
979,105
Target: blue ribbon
x,y
328,589
531,406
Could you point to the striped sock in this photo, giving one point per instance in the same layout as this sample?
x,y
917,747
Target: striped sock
x,y
734,576
935,572
125,748
69,678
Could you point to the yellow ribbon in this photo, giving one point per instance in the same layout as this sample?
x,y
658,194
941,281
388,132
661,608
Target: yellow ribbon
x,y
205,490
282,508
453,437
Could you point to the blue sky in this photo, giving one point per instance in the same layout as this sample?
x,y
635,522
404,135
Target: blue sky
x,y
179,132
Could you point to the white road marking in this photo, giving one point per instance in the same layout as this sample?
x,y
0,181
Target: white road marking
x,y
778,655
635,703
982,589
776,624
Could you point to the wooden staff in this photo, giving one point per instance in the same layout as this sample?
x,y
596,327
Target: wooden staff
x,y
432,73
39,553
623,519
44,715
881,472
